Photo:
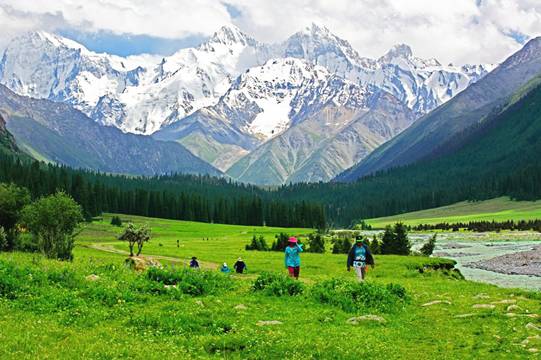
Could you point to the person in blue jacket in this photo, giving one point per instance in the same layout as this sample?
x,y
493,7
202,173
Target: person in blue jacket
x,y
359,257
292,257
225,269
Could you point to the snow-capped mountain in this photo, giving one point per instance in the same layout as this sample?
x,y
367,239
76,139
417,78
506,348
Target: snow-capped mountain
x,y
142,94
133,94
422,84
262,103
233,95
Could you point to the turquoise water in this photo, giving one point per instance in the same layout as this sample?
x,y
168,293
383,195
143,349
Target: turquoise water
x,y
468,247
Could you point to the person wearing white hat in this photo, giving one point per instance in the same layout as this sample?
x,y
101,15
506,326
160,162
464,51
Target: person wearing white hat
x,y
240,266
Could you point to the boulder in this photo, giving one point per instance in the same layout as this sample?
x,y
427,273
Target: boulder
x,y
532,326
92,277
513,308
484,306
268,322
465,315
505,301
435,302
241,307
358,319
140,263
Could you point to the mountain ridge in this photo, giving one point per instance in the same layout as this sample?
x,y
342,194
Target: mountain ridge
x,y
471,106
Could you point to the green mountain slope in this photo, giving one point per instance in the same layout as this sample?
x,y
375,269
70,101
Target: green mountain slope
x,y
7,141
58,133
499,209
499,157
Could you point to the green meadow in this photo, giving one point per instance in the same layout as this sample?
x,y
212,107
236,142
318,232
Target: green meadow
x,y
499,209
52,309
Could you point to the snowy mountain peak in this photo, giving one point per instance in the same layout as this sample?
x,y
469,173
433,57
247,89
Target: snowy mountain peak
x,y
317,30
43,38
229,35
399,51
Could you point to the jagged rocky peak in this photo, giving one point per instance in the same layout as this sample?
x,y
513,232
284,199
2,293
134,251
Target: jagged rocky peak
x,y
229,35
403,52
399,50
44,37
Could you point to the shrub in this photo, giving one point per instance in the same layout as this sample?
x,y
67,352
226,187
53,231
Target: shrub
x,y
190,282
281,242
353,296
3,238
53,220
316,243
375,246
27,243
341,245
12,200
258,243
116,221
428,248
277,285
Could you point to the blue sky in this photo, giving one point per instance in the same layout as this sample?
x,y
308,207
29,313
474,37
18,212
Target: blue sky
x,y
126,44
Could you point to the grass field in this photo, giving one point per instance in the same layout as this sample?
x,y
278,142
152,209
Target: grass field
x,y
49,310
500,209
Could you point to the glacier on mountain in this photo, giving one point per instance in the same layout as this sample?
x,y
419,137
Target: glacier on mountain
x,y
141,94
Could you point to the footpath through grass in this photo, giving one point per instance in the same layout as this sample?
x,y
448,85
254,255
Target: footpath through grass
x,y
499,209
50,309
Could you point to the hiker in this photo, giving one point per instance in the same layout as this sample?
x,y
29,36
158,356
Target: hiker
x,y
194,264
240,266
178,243
292,258
359,256
225,269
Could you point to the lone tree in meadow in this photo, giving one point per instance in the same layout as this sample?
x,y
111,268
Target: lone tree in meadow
x,y
135,235
395,240
53,221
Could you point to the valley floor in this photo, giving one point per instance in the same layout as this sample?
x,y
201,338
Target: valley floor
x,y
67,315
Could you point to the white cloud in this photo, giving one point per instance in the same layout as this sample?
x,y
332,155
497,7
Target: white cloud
x,y
451,30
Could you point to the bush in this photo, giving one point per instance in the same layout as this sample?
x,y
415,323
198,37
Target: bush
x,y
281,242
3,238
27,243
277,285
375,246
12,200
116,221
316,243
53,220
258,243
428,248
190,282
341,245
353,296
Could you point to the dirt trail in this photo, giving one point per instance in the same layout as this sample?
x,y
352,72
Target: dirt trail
x,y
178,261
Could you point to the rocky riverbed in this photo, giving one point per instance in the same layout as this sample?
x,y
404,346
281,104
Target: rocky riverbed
x,y
520,263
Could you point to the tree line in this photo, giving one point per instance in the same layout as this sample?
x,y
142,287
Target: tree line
x,y
181,197
483,226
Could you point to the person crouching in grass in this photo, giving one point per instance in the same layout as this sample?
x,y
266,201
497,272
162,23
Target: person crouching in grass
x,y
359,257
292,257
